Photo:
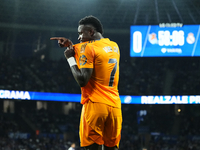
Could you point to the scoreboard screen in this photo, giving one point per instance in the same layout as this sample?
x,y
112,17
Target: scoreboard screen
x,y
156,41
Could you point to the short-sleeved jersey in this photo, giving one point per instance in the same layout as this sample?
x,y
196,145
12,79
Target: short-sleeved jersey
x,y
103,56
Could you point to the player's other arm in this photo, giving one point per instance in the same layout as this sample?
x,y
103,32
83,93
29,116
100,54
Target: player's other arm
x,y
82,75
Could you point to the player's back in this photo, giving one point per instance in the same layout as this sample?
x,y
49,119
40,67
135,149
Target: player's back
x,y
106,63
103,56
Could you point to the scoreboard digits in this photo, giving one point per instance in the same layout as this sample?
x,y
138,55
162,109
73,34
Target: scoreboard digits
x,y
177,38
137,40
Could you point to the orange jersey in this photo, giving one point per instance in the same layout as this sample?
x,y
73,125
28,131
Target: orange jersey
x,y
103,56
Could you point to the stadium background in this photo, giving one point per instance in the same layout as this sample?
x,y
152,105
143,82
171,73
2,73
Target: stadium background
x,y
31,62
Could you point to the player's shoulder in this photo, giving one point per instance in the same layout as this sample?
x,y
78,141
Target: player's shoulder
x,y
111,42
106,41
99,42
114,43
80,44
91,43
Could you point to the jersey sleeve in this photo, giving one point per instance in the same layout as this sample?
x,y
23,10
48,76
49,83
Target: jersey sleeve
x,y
86,59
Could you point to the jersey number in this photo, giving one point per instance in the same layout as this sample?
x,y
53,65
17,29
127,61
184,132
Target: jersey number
x,y
112,75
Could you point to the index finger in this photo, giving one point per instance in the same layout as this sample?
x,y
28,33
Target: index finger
x,y
55,38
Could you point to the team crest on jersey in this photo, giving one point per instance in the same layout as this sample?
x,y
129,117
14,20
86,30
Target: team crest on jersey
x,y
83,48
82,60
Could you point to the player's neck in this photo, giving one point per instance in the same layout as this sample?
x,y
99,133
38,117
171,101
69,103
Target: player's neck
x,y
98,36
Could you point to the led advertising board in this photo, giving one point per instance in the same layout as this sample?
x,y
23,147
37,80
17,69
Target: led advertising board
x,y
125,99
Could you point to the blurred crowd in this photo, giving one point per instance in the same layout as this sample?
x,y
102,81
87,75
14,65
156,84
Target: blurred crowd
x,y
138,76
49,130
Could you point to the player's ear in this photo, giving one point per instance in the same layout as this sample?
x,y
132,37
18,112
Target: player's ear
x,y
92,32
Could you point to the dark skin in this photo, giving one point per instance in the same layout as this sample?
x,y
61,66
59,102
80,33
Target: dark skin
x,y
86,33
82,76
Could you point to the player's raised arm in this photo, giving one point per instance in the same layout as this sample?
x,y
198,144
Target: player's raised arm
x,y
83,75
62,41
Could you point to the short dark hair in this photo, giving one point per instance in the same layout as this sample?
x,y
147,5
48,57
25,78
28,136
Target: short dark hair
x,y
91,20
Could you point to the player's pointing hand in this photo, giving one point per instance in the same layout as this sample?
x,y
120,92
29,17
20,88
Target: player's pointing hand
x,y
62,41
